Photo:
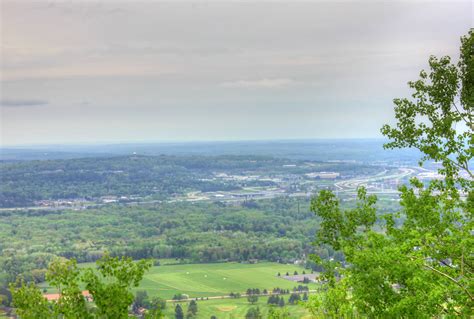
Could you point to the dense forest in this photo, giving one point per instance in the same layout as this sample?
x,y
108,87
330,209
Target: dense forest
x,y
197,232
275,230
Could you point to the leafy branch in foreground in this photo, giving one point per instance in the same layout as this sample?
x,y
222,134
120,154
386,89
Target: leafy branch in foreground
x,y
418,262
109,285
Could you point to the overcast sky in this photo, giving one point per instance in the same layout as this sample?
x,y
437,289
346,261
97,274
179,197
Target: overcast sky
x,y
110,71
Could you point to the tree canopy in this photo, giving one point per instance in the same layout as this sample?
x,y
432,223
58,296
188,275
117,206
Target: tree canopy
x,y
109,286
416,262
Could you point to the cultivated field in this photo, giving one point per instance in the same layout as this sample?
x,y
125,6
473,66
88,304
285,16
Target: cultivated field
x,y
215,281
219,279
234,309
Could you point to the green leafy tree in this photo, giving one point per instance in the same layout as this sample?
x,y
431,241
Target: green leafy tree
x,y
154,314
305,297
141,300
281,302
30,303
11,266
253,313
109,285
294,299
192,308
421,264
154,306
157,303
252,299
278,313
178,312
333,303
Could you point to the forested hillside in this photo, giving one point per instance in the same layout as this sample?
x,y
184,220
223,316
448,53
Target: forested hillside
x,y
274,230
154,177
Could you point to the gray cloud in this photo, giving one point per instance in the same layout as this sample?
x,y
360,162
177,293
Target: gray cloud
x,y
261,83
122,70
22,102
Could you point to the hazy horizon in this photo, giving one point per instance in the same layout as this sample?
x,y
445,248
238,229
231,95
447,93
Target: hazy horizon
x,y
113,72
202,141
306,149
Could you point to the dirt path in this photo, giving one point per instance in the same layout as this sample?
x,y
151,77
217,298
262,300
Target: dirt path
x,y
242,295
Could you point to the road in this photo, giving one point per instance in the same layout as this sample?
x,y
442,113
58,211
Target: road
x,y
352,184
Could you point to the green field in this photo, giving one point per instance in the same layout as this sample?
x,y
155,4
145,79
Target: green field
x,y
234,309
206,280
217,279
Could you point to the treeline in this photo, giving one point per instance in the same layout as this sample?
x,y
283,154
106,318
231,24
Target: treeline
x,y
274,230
188,232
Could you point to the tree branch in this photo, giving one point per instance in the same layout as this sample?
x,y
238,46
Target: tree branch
x,y
451,279
468,121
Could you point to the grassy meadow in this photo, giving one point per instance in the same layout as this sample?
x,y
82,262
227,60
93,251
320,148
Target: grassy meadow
x,y
207,280
234,309
217,279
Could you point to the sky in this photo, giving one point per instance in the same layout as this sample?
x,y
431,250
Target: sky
x,y
124,71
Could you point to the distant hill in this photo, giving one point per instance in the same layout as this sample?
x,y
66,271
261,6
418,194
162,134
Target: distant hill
x,y
363,150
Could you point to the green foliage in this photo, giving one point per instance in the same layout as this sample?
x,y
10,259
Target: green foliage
x,y
30,302
420,264
66,276
281,303
154,307
178,312
141,300
253,313
109,285
192,309
252,299
154,314
439,120
294,299
278,313
332,303
203,232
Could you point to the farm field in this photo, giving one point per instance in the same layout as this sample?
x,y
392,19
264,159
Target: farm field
x,y
217,279
234,309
